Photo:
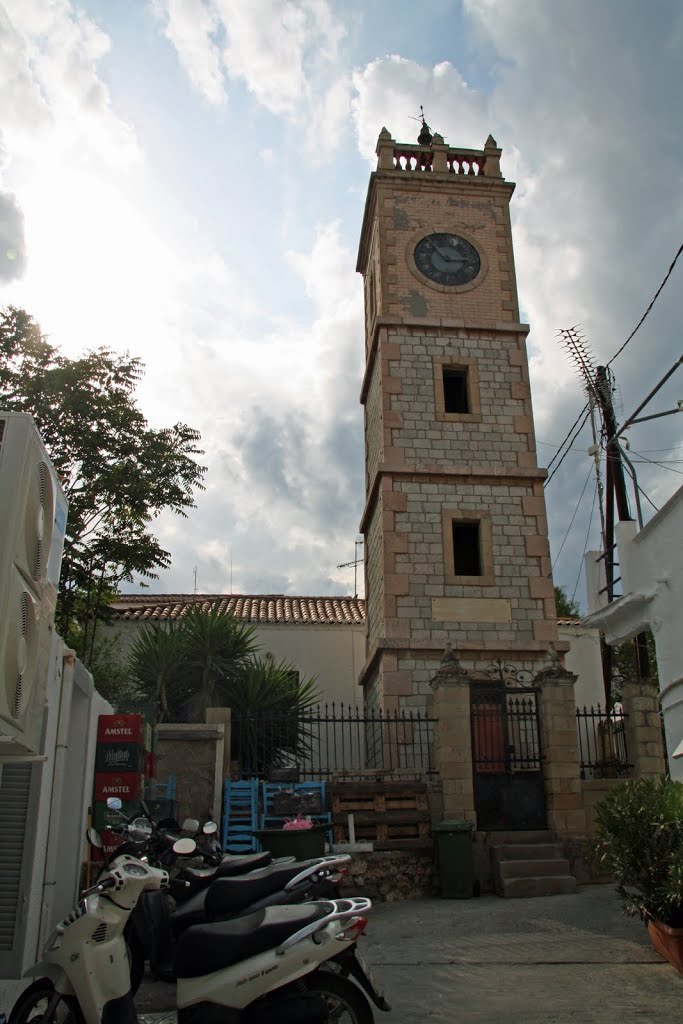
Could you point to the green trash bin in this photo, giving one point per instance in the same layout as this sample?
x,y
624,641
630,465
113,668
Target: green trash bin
x,y
455,859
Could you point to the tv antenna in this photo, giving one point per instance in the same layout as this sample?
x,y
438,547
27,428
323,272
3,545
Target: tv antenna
x,y
354,564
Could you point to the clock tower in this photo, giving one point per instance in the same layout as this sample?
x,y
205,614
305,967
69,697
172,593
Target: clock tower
x,y
456,546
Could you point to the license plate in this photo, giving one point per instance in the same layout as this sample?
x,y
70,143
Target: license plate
x,y
360,960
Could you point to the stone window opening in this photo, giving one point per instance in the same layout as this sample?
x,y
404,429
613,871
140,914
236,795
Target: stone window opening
x,y
456,397
467,560
456,390
467,548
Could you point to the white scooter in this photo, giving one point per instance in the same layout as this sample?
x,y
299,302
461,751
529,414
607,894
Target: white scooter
x,y
259,969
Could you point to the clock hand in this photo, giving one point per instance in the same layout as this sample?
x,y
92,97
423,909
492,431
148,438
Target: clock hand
x,y
444,256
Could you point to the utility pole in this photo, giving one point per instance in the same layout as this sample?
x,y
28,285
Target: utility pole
x,y
616,494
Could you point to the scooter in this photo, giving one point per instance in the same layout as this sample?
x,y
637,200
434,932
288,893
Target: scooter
x,y
158,930
262,968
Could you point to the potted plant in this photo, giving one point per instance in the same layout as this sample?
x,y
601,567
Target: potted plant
x,y
639,842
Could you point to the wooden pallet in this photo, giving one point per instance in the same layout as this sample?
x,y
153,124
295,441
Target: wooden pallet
x,y
392,815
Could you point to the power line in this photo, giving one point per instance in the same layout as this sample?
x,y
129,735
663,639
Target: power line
x,y
568,436
652,451
653,463
618,353
585,543
647,311
583,422
571,523
639,489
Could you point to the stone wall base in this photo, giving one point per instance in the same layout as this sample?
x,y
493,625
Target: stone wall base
x,y
392,875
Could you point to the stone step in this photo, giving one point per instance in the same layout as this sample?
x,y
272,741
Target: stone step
x,y
523,838
531,868
533,851
537,885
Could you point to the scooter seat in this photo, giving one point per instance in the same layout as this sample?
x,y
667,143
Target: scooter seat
x,y
227,896
239,865
199,875
190,912
206,948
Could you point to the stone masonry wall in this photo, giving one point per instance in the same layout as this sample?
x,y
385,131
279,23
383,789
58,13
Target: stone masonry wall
x,y
518,570
374,578
476,208
374,438
500,434
391,876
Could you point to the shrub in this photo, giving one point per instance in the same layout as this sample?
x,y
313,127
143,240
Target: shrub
x,y
639,842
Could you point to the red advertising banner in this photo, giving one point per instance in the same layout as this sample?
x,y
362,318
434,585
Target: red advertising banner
x,y
125,785
120,729
110,842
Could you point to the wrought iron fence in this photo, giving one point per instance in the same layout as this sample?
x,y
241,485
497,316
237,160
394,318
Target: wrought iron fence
x,y
602,743
335,741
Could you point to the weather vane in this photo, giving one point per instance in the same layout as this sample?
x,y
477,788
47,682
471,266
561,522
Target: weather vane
x,y
425,137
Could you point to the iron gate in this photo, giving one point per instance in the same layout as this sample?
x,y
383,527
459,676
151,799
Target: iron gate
x,y
506,758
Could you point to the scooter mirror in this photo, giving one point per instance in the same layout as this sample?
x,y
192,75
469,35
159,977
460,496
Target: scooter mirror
x,y
114,803
190,825
183,847
94,838
210,828
145,808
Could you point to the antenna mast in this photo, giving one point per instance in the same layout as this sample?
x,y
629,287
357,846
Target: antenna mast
x,y
599,385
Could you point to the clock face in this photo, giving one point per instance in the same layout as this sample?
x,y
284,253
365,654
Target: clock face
x,y
447,259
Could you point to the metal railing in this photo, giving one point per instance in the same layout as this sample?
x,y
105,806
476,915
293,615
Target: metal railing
x,y
602,743
335,741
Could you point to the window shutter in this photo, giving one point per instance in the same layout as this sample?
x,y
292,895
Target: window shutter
x,y
15,788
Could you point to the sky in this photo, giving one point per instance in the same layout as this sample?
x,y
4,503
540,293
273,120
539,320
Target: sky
x,y
184,180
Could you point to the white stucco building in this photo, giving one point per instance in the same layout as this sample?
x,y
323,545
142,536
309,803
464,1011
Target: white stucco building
x,y
322,637
325,637
651,566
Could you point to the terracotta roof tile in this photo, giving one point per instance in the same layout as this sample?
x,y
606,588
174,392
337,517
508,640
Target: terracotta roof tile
x,y
267,608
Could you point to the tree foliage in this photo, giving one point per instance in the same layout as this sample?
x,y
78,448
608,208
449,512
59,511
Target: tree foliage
x,y
210,658
565,606
119,473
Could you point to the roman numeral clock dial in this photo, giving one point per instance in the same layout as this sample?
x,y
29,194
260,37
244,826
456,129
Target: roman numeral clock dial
x,y
447,259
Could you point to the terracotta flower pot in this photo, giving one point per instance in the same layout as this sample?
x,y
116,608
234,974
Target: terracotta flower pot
x,y
667,941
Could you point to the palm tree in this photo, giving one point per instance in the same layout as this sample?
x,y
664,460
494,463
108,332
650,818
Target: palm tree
x,y
215,646
269,706
155,661
208,658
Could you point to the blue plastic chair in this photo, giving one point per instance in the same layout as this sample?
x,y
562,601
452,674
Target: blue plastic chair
x,y
240,816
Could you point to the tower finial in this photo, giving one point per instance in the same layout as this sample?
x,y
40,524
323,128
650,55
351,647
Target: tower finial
x,y
425,136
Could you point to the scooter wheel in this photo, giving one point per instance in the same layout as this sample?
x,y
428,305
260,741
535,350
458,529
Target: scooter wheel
x,y
346,1003
31,1005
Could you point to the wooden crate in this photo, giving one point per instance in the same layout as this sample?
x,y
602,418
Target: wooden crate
x,y
392,815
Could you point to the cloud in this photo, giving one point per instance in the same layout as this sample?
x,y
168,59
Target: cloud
x,y
284,52
390,90
191,26
12,250
585,121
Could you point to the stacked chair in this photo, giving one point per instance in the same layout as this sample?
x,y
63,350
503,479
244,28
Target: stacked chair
x,y
240,816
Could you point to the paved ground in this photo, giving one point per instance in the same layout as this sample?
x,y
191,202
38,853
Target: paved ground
x,y
554,960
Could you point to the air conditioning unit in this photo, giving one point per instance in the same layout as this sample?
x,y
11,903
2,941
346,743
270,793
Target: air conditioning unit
x,y
32,524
